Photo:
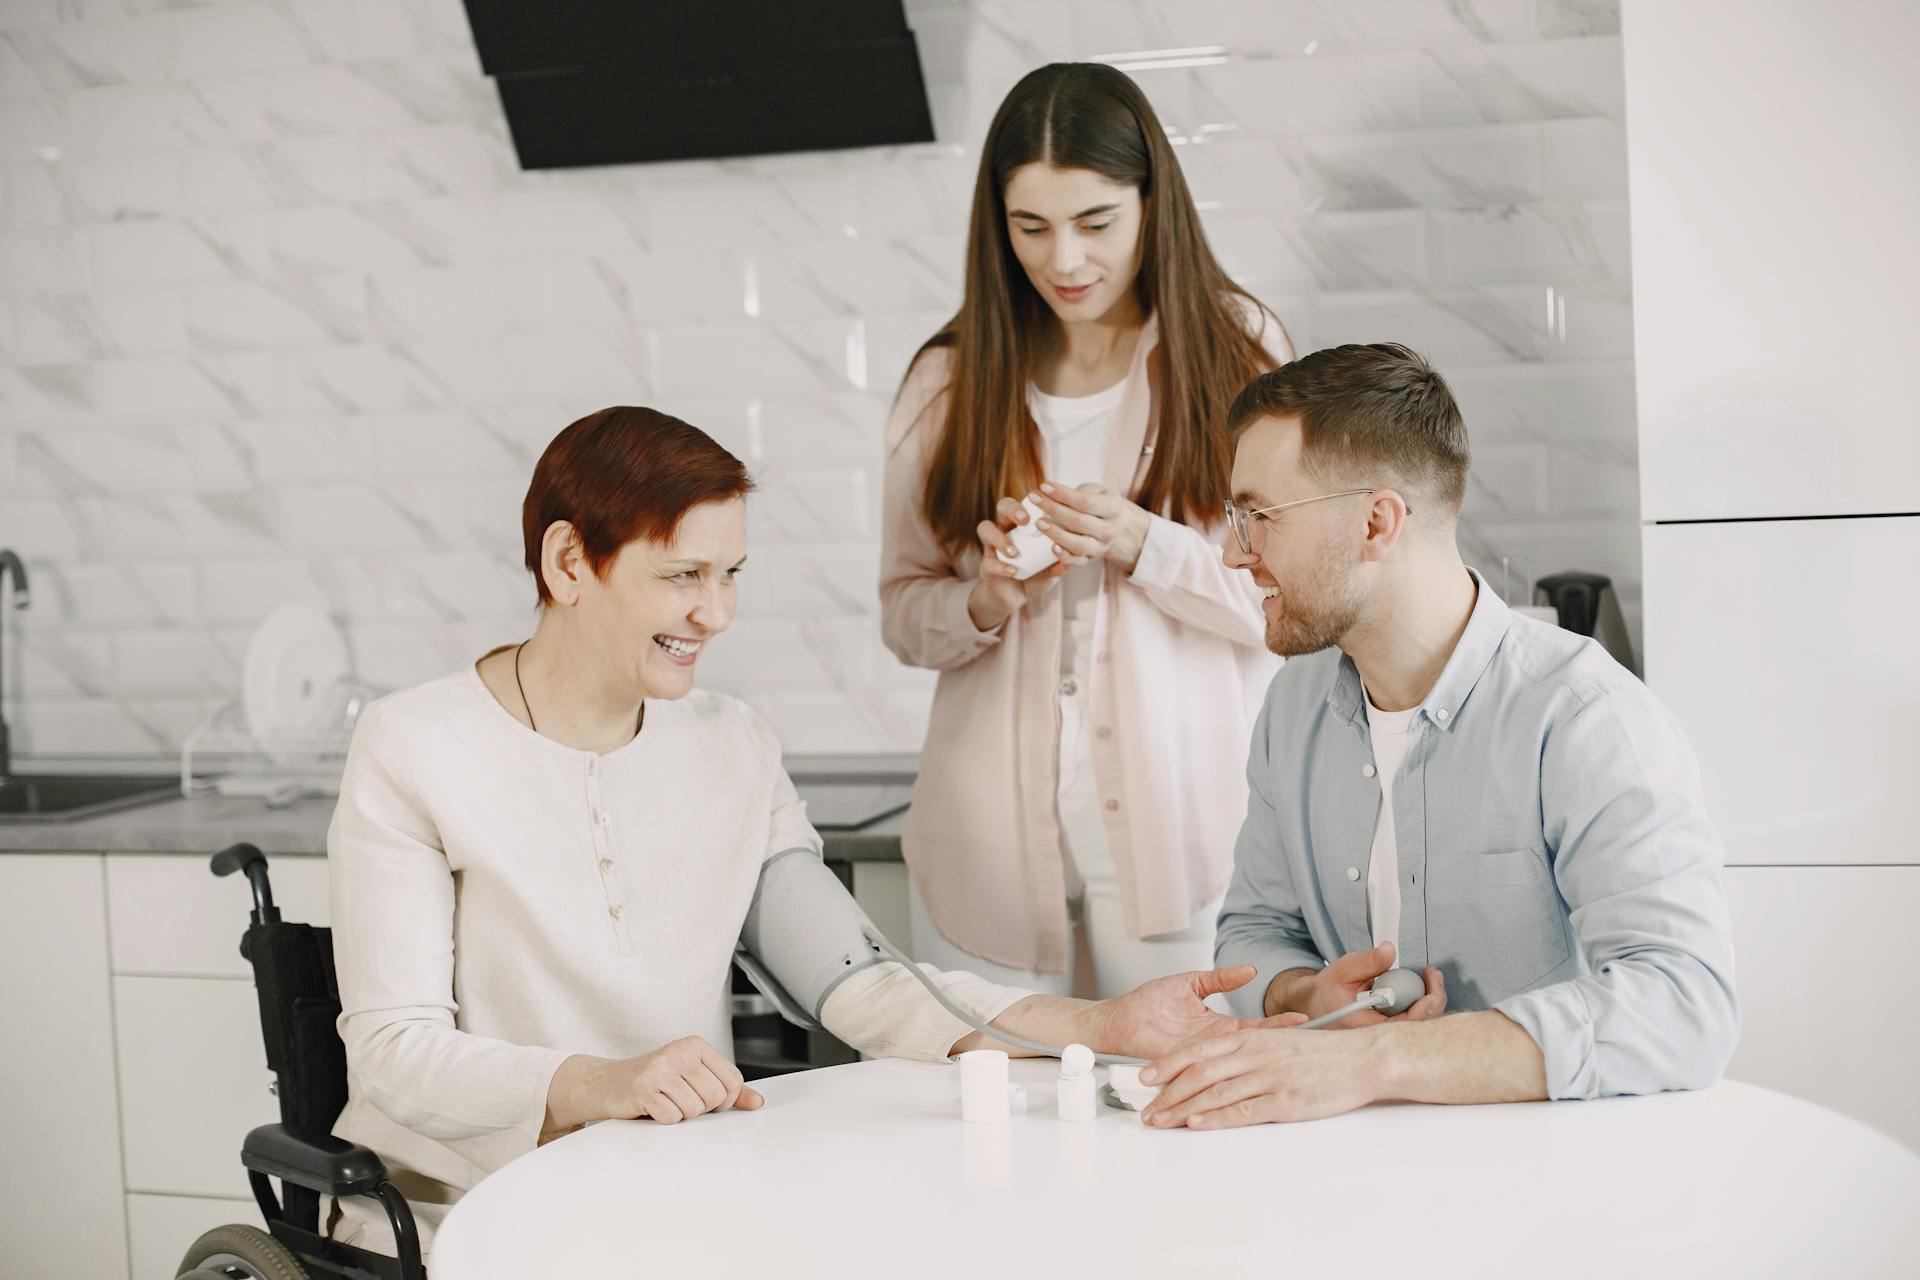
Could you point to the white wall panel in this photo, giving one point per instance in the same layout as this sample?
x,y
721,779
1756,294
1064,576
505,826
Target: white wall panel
x,y
1826,981
1774,196
1787,649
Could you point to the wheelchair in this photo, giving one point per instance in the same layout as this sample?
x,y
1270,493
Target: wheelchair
x,y
293,976
299,996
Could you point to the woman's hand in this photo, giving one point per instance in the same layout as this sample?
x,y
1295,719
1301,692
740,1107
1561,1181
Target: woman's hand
x,y
679,1081
1094,523
1155,1016
998,595
675,1082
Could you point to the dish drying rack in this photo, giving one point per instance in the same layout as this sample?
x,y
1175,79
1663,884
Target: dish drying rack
x,y
221,756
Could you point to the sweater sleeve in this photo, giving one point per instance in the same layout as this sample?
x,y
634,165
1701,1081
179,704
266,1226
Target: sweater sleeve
x,y
884,1012
392,903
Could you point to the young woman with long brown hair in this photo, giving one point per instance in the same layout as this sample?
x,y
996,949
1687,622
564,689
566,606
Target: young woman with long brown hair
x,y
1086,754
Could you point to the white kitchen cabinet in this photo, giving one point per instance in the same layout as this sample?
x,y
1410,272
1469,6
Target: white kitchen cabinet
x,y
1827,988
171,915
1770,155
193,1073
193,1081
60,1173
160,1228
1786,649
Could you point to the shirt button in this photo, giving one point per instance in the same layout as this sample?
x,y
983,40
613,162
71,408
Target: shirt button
x,y
1366,771
606,865
1105,732
614,911
1441,714
599,817
1353,873
1112,806
1068,688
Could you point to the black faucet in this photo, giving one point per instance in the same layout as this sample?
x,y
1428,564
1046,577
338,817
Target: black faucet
x,y
21,596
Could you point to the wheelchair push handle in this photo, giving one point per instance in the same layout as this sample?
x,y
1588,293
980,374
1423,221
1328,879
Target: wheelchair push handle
x,y
248,858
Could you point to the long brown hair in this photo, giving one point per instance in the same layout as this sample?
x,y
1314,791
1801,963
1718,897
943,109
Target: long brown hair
x,y
1086,115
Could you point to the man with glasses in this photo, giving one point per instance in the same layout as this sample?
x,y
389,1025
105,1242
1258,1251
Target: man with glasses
x,y
1440,784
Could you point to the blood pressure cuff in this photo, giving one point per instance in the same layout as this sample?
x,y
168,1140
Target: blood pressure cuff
x,y
804,936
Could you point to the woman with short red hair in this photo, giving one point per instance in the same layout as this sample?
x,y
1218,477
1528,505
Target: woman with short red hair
x,y
541,864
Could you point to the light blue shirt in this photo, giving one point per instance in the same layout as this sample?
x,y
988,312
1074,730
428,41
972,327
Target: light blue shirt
x,y
1555,860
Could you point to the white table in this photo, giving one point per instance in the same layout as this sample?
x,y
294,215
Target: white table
x,y
868,1170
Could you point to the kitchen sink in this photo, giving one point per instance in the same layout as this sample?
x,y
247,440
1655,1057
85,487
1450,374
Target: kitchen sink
x,y
67,797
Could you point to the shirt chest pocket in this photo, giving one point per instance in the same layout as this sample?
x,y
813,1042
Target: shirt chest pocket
x,y
1495,923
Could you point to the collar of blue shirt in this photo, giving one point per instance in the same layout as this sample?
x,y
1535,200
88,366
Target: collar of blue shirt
x,y
1478,643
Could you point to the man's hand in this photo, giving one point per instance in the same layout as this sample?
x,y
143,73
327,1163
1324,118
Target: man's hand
x,y
1262,1076
1251,1077
1155,1016
1346,979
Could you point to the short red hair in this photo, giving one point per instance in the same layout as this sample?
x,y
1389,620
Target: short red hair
x,y
622,474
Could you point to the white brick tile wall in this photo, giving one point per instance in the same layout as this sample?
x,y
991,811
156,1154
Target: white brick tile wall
x,y
281,319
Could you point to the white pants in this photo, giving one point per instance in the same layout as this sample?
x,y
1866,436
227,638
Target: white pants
x,y
1121,962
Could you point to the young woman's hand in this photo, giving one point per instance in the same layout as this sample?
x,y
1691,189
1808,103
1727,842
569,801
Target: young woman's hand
x,y
1094,523
998,595
677,1081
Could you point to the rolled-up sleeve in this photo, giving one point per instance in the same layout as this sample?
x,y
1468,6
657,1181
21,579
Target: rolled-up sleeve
x,y
1262,922
1638,864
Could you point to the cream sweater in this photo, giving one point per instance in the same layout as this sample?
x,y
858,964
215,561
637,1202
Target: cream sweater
x,y
501,901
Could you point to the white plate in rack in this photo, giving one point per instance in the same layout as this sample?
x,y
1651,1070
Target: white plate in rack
x,y
289,684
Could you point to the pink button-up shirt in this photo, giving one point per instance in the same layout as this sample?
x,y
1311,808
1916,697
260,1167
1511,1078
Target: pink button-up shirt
x,y
1180,667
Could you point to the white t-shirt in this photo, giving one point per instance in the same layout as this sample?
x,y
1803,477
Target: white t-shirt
x,y
1077,430
1389,730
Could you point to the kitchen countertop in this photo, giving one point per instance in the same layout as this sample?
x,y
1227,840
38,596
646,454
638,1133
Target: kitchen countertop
x,y
206,824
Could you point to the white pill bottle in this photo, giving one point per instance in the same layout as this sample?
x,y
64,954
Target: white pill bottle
x,y
1075,1087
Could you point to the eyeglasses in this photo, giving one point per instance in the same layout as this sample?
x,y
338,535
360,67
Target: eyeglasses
x,y
1241,521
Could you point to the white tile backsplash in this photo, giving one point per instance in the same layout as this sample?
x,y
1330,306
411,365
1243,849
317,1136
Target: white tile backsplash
x,y
281,318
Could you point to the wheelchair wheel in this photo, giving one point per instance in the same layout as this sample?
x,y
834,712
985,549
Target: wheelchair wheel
x,y
237,1252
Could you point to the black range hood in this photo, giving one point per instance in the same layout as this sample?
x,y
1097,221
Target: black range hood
x,y
591,82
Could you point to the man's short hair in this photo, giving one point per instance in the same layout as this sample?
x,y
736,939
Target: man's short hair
x,y
1376,413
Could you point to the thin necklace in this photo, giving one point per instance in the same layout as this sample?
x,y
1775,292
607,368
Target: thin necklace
x,y
640,722
524,704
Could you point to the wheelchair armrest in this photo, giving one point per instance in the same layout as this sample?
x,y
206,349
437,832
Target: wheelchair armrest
x,y
326,1164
